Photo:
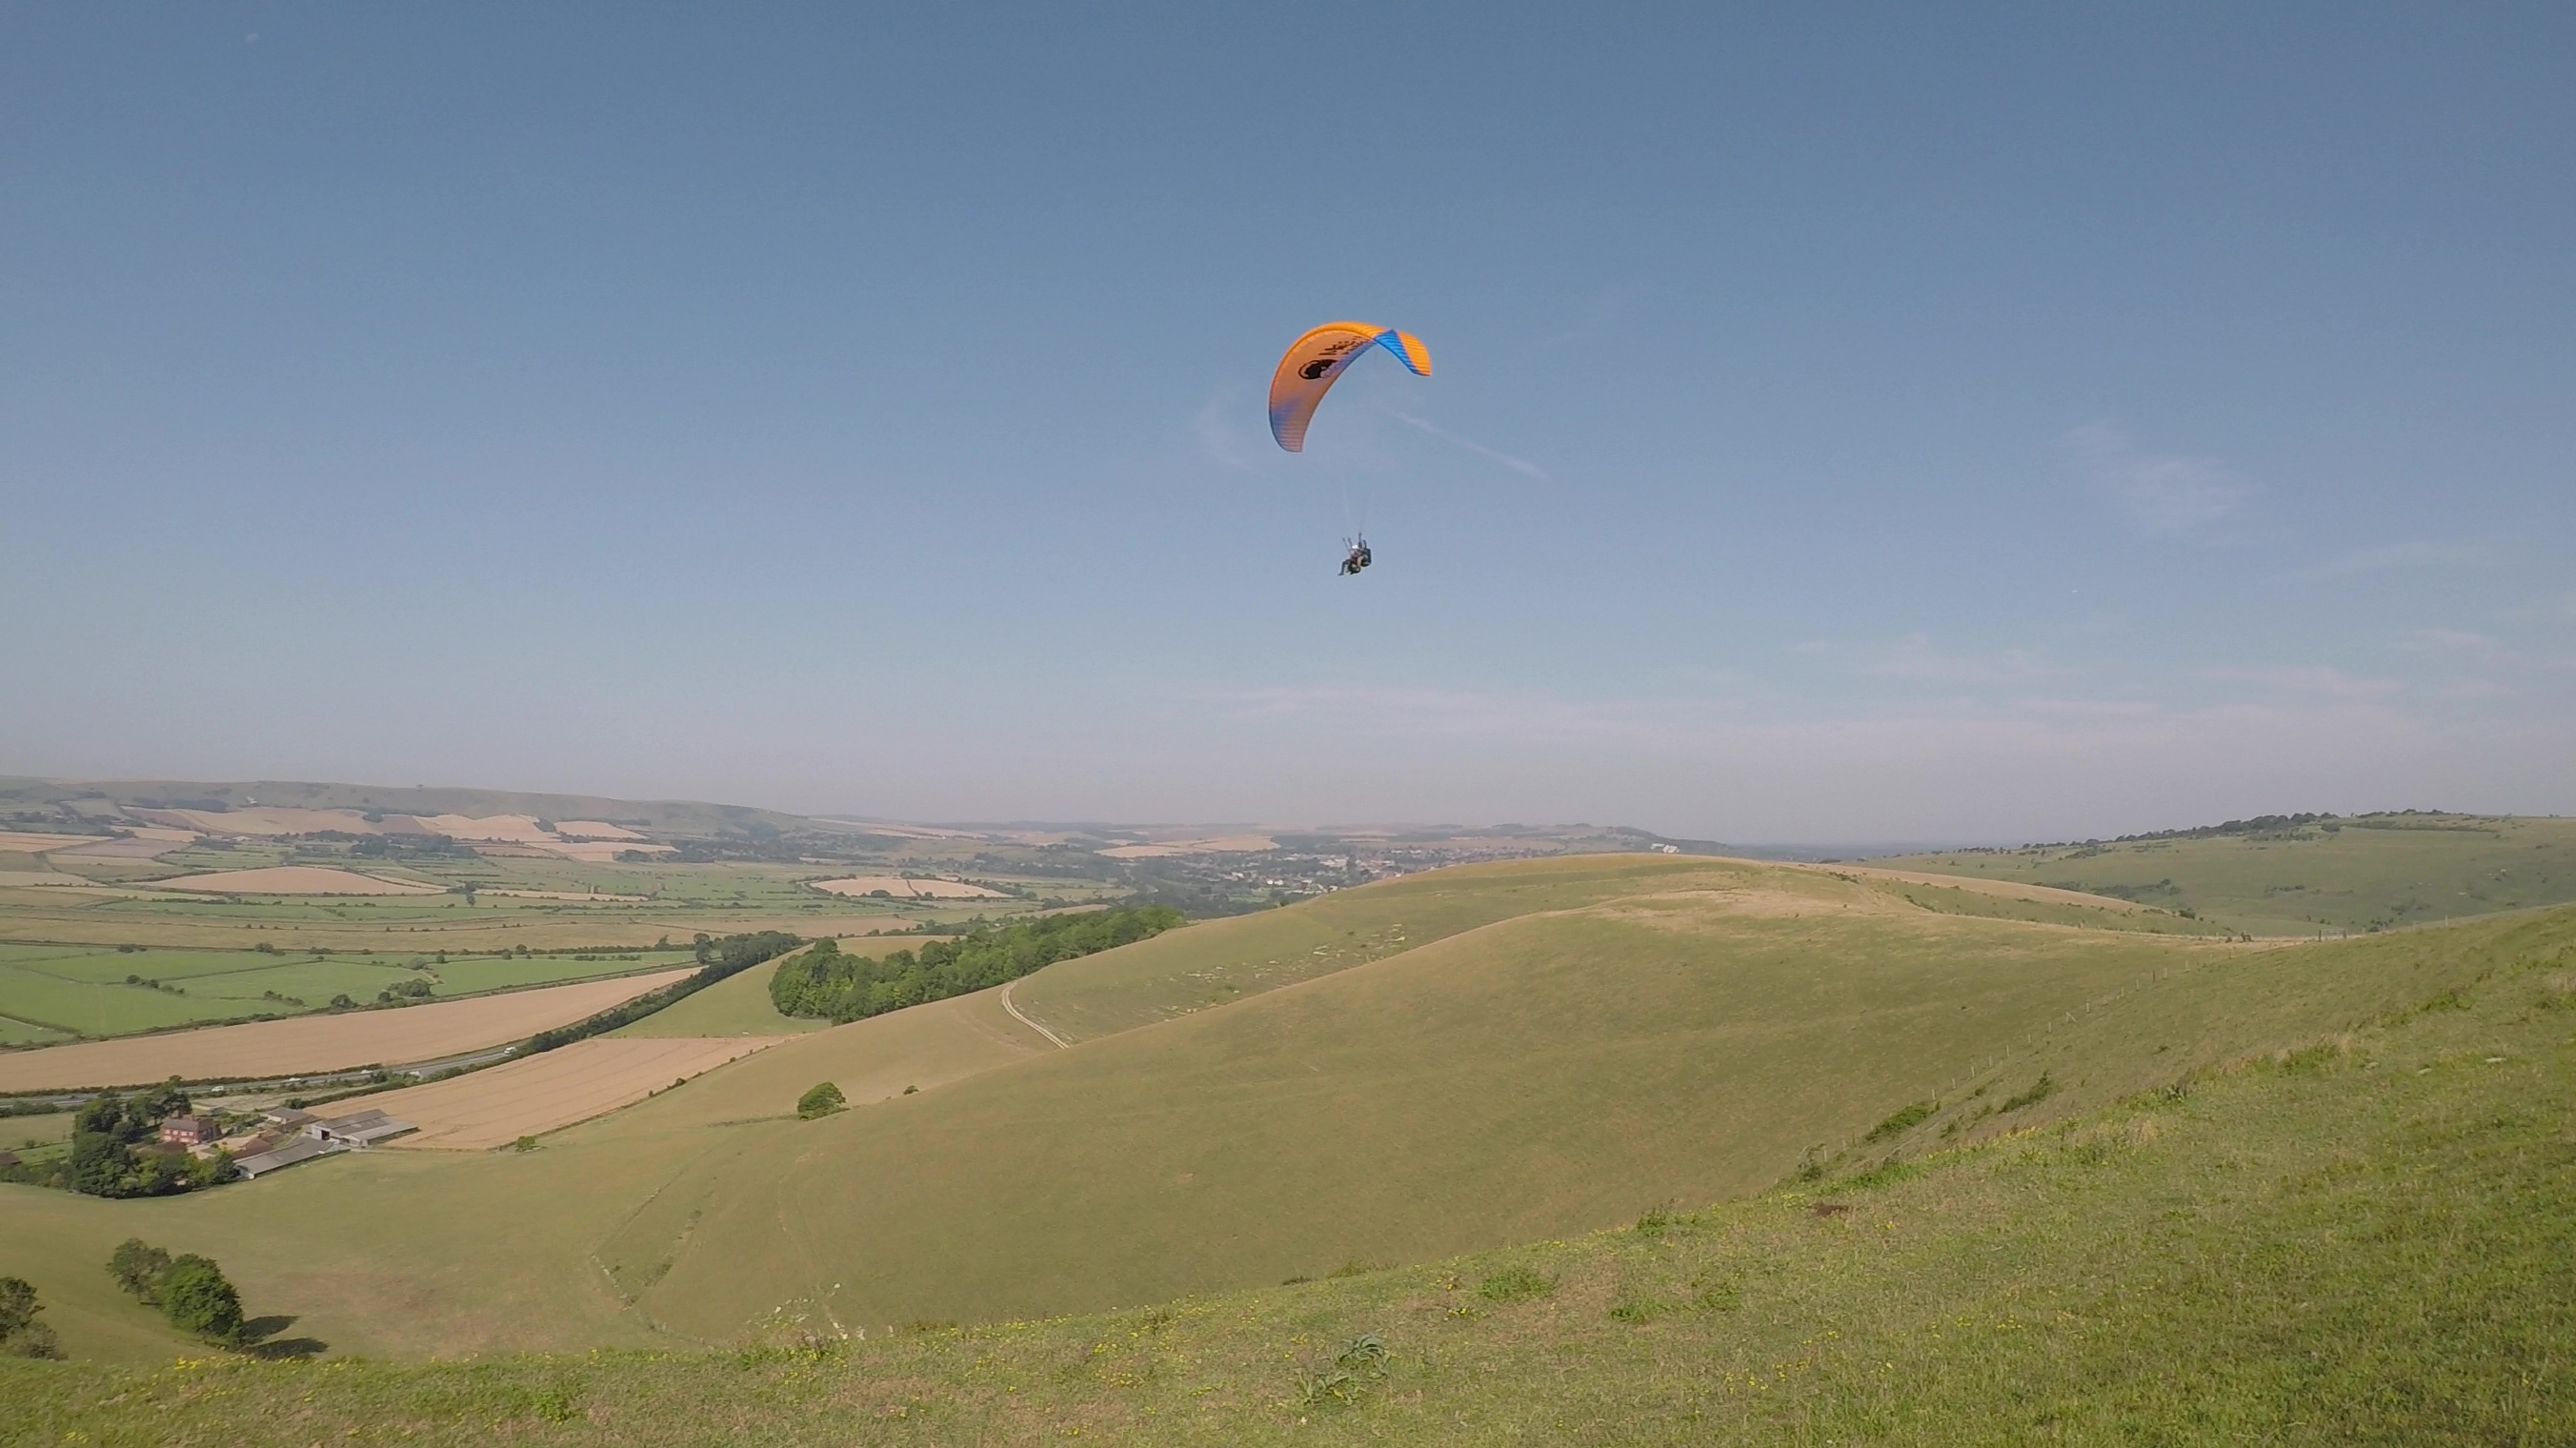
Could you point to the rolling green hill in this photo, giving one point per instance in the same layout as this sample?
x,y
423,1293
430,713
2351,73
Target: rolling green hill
x,y
2321,876
1691,1038
1551,1047
2360,1235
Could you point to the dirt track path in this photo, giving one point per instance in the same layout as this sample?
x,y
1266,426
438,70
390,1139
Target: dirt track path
x,y
1060,1041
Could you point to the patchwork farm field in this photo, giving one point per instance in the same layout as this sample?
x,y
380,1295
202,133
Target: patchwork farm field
x,y
317,1043
534,902
547,1092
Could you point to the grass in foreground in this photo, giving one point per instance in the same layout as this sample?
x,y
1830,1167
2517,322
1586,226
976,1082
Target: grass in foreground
x,y
2368,1239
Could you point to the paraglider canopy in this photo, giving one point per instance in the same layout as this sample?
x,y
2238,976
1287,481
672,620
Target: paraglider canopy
x,y
1315,360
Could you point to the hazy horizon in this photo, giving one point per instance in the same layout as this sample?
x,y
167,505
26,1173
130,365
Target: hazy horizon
x,y
1984,425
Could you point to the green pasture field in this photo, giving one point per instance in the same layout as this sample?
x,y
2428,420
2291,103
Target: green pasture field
x,y
27,1033
475,974
18,1132
97,1008
2356,874
1696,1039
2365,1236
68,989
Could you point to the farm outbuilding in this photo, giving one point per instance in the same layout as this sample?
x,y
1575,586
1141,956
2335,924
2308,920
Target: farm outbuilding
x,y
358,1129
302,1148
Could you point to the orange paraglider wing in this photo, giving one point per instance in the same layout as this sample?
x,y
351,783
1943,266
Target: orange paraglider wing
x,y
1315,360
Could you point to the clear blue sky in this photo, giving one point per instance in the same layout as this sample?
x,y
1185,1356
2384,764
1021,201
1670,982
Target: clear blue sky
x,y
1958,422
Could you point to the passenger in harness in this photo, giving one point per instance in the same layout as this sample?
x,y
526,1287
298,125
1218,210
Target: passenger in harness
x,y
1359,557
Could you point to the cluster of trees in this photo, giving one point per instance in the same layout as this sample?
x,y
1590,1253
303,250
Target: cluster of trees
x,y
825,982
190,1290
116,1149
21,1335
717,959
403,846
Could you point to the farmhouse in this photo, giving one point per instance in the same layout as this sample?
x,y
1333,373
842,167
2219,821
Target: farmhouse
x,y
189,1131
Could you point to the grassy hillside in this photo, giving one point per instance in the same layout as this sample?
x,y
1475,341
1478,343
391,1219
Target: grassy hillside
x,y
1226,960
417,1253
2368,1238
1550,1073
1661,1030
2355,874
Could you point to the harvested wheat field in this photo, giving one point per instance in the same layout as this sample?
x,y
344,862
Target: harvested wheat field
x,y
544,1093
25,843
292,880
321,1042
901,888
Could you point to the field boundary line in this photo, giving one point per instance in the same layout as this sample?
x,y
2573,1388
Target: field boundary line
x,y
1060,1042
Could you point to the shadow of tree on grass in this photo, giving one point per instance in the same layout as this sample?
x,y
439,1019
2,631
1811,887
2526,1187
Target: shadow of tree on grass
x,y
259,1339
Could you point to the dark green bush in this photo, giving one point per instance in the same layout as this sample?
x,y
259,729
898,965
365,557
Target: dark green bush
x,y
198,1298
1903,1121
825,982
21,1335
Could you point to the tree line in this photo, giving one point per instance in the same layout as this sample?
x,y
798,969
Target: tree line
x,y
826,982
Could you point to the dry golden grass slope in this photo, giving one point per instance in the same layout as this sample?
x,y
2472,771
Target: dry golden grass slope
x,y
1452,1062
548,1092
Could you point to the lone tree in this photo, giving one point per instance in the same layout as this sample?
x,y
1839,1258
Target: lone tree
x,y
21,1335
823,1100
198,1298
138,1267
